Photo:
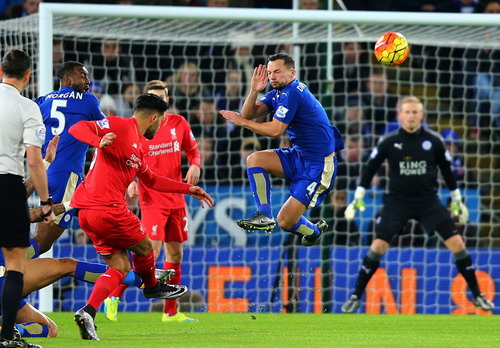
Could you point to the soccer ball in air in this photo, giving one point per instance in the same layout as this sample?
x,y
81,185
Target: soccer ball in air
x,y
391,49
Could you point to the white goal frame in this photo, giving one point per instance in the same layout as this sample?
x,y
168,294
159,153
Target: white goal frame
x,y
49,10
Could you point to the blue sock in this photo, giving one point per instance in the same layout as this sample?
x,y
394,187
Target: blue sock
x,y
89,271
305,227
261,189
132,278
33,330
33,251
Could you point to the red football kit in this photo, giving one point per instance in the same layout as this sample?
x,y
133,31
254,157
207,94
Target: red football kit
x,y
164,214
103,214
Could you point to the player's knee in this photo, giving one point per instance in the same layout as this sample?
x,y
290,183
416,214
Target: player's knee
x,y
53,330
455,244
284,223
68,264
379,246
252,160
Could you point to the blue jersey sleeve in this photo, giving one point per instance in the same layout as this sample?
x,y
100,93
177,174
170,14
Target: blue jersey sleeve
x,y
94,108
268,100
288,104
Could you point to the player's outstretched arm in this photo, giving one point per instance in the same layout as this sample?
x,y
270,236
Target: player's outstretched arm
x,y
50,156
204,198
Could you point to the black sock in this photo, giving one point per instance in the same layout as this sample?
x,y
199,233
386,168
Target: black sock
x,y
368,268
90,310
468,271
11,297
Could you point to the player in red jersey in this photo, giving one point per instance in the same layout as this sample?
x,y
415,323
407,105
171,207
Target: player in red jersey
x,y
164,214
103,211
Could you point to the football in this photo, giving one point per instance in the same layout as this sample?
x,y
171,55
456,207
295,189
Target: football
x,y
391,49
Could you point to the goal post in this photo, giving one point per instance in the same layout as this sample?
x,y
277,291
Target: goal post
x,y
232,270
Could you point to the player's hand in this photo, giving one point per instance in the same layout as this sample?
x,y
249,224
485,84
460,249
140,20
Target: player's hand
x,y
259,78
204,198
50,152
193,175
107,140
47,209
357,204
133,190
459,209
234,117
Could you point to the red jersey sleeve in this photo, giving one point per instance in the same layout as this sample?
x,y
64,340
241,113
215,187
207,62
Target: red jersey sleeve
x,y
161,183
90,132
190,146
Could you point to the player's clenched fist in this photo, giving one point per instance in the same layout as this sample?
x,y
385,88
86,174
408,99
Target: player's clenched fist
x,y
107,140
204,198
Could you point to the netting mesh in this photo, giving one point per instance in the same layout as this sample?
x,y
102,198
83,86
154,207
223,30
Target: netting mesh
x,y
208,65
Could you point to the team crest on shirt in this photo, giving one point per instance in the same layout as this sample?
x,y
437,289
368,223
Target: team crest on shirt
x,y
103,124
172,132
426,145
40,133
154,230
281,112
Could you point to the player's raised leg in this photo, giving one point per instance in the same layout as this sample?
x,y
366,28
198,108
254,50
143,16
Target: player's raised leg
x,y
259,165
291,218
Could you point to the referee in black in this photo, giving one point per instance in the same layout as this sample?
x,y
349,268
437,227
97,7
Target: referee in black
x,y
21,132
414,155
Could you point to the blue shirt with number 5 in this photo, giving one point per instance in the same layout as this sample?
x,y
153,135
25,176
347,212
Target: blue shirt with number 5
x,y
60,110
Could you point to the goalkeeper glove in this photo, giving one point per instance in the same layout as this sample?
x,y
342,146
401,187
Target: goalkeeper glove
x,y
357,204
458,208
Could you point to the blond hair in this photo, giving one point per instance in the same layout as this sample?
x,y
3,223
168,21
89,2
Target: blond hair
x,y
409,99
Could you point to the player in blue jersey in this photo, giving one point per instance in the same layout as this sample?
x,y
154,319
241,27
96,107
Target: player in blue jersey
x,y
60,110
309,165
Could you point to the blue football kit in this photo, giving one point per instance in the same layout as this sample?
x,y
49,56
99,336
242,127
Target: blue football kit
x,y
60,110
308,165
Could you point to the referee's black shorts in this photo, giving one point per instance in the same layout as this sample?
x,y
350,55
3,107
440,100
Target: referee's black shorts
x,y
14,218
430,213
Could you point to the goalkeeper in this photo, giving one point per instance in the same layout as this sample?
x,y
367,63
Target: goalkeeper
x,y
414,155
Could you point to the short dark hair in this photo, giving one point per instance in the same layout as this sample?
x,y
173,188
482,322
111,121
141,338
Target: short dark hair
x,y
67,68
16,63
150,101
288,59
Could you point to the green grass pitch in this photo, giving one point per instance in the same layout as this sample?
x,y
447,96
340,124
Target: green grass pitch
x,y
282,330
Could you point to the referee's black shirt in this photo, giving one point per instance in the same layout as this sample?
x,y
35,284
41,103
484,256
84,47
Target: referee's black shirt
x,y
413,160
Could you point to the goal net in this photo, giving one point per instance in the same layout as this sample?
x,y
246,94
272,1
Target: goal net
x,y
207,57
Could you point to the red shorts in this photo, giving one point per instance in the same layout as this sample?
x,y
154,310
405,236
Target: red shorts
x,y
112,230
167,225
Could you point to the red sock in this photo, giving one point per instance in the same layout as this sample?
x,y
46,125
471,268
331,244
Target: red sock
x,y
119,290
145,267
104,285
171,305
